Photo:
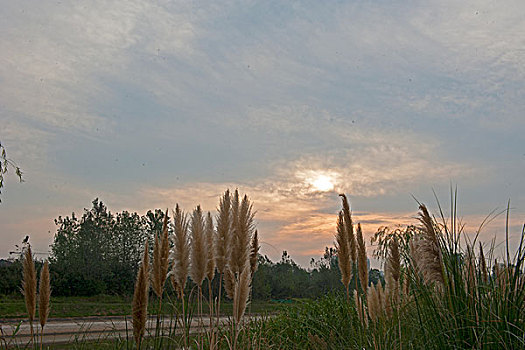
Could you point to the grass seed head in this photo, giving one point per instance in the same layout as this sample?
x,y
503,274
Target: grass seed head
x,y
44,294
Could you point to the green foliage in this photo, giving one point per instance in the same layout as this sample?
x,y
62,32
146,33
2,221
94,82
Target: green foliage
x,y
98,253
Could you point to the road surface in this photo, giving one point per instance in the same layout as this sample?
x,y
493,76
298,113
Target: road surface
x,y
60,331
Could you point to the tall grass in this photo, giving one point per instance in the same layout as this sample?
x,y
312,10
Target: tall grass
x,y
439,294
441,290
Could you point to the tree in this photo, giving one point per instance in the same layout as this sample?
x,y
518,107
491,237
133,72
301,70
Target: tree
x,y
5,164
98,253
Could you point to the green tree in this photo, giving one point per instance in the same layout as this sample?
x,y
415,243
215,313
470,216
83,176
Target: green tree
x,y
98,253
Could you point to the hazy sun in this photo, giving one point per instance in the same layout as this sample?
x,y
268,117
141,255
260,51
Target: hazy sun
x,y
322,183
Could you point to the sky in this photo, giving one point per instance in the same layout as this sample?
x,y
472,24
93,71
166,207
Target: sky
x,y
145,104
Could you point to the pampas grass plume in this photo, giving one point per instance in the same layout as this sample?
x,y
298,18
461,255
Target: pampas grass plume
x,y
210,259
343,253
243,228
224,232
198,252
180,254
349,228
240,297
362,259
160,259
44,294
140,299
29,284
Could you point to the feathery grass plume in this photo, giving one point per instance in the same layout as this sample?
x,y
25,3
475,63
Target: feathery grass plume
x,y
224,232
349,228
254,251
29,287
389,289
240,295
343,253
199,250
44,294
180,254
210,270
483,265
140,299
374,305
393,274
229,282
428,250
160,269
161,259
210,263
362,263
244,226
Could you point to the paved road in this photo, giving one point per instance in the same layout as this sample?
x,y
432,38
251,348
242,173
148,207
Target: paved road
x,y
82,329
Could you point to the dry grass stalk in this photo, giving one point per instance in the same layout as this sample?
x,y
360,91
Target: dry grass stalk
x,y
210,258
243,229
343,252
140,299
161,259
29,287
254,252
393,275
426,250
199,250
349,228
375,302
224,228
240,296
362,263
483,265
180,254
229,282
44,295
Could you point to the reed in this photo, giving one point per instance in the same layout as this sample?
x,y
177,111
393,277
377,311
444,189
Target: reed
x,y
29,288
243,230
343,253
180,257
254,252
210,271
160,271
223,241
240,300
198,255
140,299
180,254
44,295
347,214
160,266
362,261
393,275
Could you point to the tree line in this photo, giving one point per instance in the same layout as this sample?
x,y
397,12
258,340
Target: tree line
x,y
99,253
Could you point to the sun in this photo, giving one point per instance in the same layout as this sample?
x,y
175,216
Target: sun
x,y
322,183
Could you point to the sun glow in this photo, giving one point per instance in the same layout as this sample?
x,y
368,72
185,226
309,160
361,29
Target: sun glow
x,y
322,183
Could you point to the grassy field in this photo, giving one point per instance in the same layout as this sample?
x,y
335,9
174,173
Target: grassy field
x,y
13,307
